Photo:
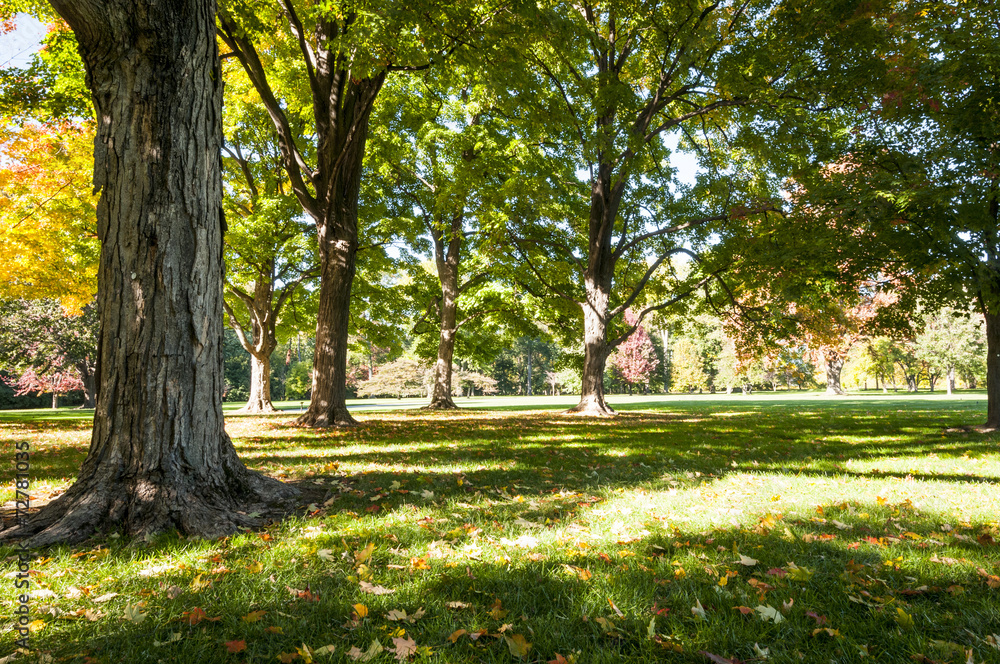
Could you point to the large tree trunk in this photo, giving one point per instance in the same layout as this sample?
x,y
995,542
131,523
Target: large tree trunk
x,y
992,371
159,456
328,403
441,395
342,151
834,365
260,385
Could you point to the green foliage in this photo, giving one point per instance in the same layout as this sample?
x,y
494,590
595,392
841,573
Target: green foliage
x,y
298,381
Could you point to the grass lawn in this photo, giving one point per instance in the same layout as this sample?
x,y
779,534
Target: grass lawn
x,y
778,528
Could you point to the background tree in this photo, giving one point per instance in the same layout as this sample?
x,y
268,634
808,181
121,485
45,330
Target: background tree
x,y
346,54
606,83
952,343
688,373
48,223
270,249
400,378
49,349
159,456
635,359
442,162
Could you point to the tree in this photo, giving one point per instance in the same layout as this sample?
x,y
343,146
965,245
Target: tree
x,y
442,160
270,249
400,378
52,350
48,224
923,184
687,371
634,359
346,53
952,343
159,456
605,84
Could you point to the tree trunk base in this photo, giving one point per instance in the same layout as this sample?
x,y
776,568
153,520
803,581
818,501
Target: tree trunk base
x,y
592,407
257,407
335,417
836,391
440,403
213,504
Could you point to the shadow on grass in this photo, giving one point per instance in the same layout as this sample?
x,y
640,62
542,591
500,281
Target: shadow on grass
x,y
568,591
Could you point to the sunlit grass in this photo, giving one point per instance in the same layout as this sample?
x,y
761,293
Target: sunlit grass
x,y
875,515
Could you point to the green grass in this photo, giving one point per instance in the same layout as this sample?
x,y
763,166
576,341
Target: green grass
x,y
865,516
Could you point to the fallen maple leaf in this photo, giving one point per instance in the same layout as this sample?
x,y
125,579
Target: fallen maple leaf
x,y
196,615
403,647
517,645
373,589
254,616
235,646
359,655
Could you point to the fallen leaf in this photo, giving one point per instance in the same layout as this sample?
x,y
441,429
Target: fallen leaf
x,y
616,609
374,590
718,659
105,598
404,647
359,655
698,610
457,605
747,560
360,610
769,613
903,619
255,567
456,635
134,613
254,616
235,646
517,644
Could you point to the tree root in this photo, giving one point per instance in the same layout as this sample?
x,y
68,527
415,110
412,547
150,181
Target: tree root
x,y
213,504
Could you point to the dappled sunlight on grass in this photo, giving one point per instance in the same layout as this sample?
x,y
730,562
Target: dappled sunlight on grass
x,y
804,532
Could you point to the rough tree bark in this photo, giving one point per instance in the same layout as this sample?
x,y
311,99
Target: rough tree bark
x,y
89,384
834,365
159,456
992,371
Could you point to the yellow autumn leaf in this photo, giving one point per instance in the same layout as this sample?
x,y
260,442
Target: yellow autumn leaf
x,y
361,610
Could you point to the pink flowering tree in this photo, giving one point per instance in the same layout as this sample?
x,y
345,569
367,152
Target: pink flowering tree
x,y
634,359
60,381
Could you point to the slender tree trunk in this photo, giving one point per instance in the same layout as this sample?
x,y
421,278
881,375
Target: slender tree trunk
x,y
834,365
665,338
89,384
531,344
595,355
951,380
159,456
55,401
447,254
992,371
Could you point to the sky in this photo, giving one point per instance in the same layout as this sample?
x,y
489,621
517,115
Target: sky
x,y
17,47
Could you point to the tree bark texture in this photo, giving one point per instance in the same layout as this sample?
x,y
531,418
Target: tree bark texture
x,y
159,456
992,370
834,365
